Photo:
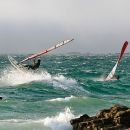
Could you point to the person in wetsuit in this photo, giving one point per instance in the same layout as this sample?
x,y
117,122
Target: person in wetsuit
x,y
117,77
34,66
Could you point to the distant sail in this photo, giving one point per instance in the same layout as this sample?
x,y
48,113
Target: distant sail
x,y
48,50
112,73
123,50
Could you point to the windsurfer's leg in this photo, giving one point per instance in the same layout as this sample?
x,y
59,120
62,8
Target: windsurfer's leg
x,y
28,66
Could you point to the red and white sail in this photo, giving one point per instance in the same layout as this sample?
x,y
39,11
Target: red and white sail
x,y
48,50
112,73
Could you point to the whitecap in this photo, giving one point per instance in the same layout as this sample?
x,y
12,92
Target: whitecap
x,y
60,121
61,99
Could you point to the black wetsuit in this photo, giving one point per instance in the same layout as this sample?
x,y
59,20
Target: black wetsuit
x,y
33,67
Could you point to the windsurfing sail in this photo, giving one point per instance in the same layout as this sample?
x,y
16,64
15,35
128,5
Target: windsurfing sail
x,y
16,65
112,73
48,50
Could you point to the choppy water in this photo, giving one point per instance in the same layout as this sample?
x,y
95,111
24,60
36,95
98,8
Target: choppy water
x,y
64,87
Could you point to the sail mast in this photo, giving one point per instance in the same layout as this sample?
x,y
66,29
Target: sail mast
x,y
48,50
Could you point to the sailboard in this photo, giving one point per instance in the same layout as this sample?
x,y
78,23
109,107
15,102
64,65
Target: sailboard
x,y
112,73
16,64
48,50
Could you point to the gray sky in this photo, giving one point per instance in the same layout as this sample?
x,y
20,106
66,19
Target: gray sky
x,y
98,26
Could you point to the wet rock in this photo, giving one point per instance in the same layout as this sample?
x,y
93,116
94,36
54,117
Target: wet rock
x,y
115,118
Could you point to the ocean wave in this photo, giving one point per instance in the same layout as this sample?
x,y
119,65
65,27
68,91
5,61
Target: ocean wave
x,y
62,82
66,99
13,77
61,121
61,99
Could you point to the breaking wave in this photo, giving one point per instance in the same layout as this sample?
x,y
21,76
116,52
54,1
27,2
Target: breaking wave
x,y
61,121
13,77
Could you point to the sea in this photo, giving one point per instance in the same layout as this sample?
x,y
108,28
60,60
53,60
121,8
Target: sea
x,y
64,87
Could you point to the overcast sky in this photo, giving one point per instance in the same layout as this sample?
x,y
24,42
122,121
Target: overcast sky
x,y
98,26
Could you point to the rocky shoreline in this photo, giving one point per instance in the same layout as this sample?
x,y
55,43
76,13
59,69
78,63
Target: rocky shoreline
x,y
115,118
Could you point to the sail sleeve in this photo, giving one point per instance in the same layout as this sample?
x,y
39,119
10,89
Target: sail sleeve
x,y
48,50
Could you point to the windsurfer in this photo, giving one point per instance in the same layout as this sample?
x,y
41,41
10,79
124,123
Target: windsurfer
x,y
112,73
34,66
116,77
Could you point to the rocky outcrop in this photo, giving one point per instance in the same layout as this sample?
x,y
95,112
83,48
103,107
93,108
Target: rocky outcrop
x,y
115,118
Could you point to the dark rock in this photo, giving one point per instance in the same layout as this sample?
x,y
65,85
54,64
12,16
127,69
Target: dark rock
x,y
81,119
115,118
74,122
103,114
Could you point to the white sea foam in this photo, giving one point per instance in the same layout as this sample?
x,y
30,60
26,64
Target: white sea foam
x,y
61,121
63,82
101,78
12,77
62,99
66,99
